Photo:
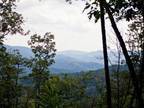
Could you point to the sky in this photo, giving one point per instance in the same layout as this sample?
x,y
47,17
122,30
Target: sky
x,y
72,28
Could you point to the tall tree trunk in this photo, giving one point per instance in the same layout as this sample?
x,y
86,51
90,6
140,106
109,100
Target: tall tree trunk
x,y
127,57
37,105
141,74
118,79
107,77
16,85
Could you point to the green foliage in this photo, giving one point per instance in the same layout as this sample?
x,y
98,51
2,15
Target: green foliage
x,y
44,52
93,10
51,96
10,20
128,9
10,69
121,89
66,92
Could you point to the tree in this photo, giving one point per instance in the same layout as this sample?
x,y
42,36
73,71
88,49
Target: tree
x,y
19,63
124,9
125,90
10,71
10,23
100,14
107,76
125,52
131,10
64,92
44,50
135,43
10,20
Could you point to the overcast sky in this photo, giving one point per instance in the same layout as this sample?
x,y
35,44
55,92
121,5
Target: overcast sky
x,y
71,27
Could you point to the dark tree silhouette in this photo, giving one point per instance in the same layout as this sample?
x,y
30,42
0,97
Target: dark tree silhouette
x,y
107,76
127,57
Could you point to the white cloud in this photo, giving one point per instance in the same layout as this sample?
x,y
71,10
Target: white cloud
x,y
72,29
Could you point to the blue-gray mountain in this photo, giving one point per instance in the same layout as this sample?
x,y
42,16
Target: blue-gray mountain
x,y
70,61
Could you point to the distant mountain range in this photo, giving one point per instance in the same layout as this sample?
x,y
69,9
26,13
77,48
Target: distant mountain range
x,y
70,61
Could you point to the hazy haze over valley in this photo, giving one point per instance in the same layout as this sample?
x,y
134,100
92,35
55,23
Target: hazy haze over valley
x,y
72,60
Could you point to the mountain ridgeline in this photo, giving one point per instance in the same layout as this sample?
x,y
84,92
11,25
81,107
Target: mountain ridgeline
x,y
71,61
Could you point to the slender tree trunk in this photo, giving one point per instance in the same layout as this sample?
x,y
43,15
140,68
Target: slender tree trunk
x,y
93,103
127,57
118,79
37,95
107,77
141,74
16,85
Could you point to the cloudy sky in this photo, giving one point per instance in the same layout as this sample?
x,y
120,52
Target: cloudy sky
x,y
71,27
